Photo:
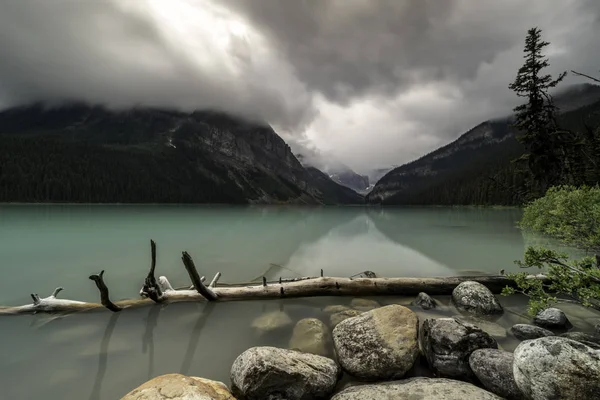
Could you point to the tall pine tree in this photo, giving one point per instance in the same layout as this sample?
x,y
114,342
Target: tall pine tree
x,y
536,119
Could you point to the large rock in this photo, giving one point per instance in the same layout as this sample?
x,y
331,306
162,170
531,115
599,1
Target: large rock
x,y
416,389
424,301
553,367
494,369
311,336
333,309
528,332
336,318
592,341
180,387
276,374
379,344
598,329
364,304
271,321
552,318
447,344
475,298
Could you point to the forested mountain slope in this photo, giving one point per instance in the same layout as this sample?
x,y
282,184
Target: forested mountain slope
x,y
82,153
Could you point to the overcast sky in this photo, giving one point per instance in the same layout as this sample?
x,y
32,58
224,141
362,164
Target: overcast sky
x,y
371,82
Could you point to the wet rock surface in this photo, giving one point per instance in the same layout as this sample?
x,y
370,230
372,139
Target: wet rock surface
x,y
473,297
336,318
271,321
527,332
424,301
557,368
447,343
552,318
262,373
379,344
310,335
494,369
416,389
364,304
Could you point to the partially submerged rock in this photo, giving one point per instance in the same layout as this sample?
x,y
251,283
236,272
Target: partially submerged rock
x,y
424,301
271,373
592,341
494,369
492,328
336,318
364,304
557,368
447,344
311,336
416,389
180,387
475,298
528,332
552,318
271,321
333,309
379,344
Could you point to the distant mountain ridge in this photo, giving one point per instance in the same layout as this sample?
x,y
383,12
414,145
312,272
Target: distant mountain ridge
x,y
463,171
86,153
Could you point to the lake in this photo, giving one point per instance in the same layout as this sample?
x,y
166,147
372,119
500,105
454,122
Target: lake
x,y
100,355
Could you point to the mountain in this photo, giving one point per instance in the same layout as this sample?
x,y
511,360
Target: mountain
x,y
352,180
83,153
337,171
476,168
331,190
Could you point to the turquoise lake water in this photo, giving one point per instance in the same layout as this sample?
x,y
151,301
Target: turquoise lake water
x,y
100,355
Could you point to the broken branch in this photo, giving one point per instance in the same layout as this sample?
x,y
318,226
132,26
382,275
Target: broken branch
x,y
104,299
193,273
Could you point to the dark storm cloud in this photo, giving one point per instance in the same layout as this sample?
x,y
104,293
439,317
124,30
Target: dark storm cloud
x,y
375,82
120,55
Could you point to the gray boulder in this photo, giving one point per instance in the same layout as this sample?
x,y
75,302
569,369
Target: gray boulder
x,y
494,369
447,344
424,301
271,321
475,298
592,341
311,336
335,319
379,344
416,389
557,368
552,318
277,374
527,332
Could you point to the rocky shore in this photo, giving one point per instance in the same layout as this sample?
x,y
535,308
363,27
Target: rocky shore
x,y
369,351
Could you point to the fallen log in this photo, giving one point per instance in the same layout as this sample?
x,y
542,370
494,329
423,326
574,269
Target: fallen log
x,y
326,286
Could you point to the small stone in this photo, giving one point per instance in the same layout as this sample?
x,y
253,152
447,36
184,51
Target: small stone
x,y
554,367
271,373
181,387
475,298
551,318
589,340
379,344
336,318
527,332
271,321
424,301
311,336
447,344
364,304
334,309
416,389
494,369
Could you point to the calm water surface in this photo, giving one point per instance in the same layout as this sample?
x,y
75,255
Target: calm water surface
x,y
101,355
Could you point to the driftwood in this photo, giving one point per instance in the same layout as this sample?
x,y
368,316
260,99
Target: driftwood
x,y
161,291
104,298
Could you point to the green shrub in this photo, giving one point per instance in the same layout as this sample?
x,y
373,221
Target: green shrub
x,y
571,215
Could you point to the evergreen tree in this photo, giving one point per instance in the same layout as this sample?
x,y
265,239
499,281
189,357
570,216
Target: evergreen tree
x,y
536,119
